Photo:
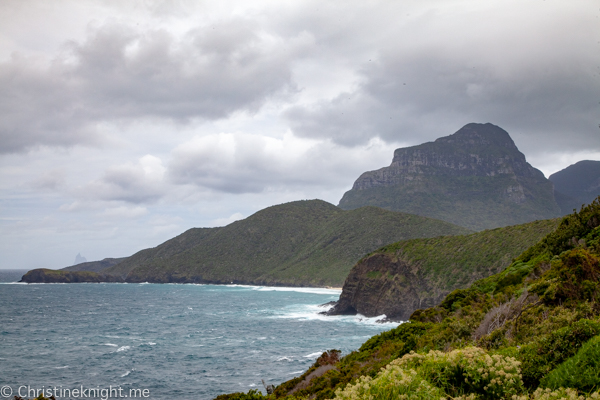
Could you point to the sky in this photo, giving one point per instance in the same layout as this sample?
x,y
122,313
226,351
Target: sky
x,y
123,124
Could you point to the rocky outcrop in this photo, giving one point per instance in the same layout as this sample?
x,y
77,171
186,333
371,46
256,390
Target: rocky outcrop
x,y
475,178
381,284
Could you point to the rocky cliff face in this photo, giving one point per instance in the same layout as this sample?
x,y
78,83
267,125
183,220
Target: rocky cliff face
x,y
382,284
475,178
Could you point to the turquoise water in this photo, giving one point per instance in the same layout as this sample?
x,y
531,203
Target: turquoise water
x,y
175,341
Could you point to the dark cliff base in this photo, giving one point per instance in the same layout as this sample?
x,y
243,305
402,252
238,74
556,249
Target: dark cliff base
x,y
380,285
43,275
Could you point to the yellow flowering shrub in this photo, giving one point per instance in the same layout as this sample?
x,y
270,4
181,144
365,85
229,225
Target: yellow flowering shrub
x,y
393,382
468,372
560,394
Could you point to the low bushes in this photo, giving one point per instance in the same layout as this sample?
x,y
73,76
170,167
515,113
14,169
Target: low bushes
x,y
435,375
581,371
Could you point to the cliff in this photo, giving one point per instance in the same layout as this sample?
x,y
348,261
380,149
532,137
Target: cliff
x,y
405,276
476,178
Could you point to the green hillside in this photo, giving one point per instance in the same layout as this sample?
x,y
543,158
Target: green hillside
x,y
401,277
300,243
528,332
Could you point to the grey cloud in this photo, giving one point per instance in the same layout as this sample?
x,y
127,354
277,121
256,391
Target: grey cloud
x,y
531,71
118,74
137,183
412,99
237,163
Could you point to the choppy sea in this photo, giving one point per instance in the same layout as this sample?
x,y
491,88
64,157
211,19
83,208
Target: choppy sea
x,y
171,340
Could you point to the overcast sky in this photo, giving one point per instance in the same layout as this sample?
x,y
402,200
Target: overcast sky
x,y
124,123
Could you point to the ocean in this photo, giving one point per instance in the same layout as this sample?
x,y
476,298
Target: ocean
x,y
162,341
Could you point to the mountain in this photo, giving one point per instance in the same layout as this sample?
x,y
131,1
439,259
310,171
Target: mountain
x,y
529,332
404,276
476,178
310,243
576,185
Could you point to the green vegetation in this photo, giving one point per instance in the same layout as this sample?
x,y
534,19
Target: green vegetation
x,y
581,371
456,261
44,275
520,334
300,243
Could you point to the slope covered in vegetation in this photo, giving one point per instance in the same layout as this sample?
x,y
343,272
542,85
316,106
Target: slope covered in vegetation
x,y
309,243
299,243
529,332
404,276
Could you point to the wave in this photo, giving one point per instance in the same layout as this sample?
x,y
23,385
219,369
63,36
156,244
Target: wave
x,y
299,289
314,290
123,348
313,312
313,355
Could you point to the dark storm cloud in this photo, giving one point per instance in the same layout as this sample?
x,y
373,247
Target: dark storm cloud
x,y
532,69
411,99
118,74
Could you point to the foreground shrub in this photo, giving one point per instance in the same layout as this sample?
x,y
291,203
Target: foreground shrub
x,y
541,357
560,394
582,371
393,382
470,371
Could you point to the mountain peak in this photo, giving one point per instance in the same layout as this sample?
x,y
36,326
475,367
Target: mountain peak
x,y
476,178
475,134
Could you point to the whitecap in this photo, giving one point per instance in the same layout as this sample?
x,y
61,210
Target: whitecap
x,y
314,312
126,373
123,348
299,289
313,355
66,366
111,344
296,372
284,359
